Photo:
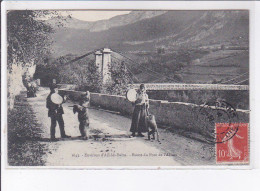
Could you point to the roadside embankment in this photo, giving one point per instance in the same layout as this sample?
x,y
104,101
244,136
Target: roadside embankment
x,y
26,147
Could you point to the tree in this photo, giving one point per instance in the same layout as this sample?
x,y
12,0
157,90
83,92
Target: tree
x,y
28,43
84,73
120,79
28,36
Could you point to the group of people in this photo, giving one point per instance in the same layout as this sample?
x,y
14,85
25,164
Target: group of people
x,y
56,111
139,117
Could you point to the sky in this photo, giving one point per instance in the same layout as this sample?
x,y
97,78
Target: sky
x,y
93,15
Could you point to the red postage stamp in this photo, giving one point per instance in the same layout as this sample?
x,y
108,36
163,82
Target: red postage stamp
x,y
232,143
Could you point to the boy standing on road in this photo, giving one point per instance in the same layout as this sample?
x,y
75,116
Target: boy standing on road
x,y
83,115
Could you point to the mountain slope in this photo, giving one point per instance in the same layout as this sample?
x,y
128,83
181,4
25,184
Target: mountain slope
x,y
196,44
147,30
101,25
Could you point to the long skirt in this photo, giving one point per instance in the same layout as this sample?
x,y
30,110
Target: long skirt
x,y
139,122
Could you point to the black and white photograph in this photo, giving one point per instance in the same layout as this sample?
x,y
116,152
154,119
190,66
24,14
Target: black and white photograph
x,y
128,88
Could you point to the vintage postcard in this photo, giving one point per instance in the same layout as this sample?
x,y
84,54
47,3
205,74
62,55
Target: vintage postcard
x,y
133,88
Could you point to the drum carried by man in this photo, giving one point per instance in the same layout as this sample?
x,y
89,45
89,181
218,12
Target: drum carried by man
x,y
54,104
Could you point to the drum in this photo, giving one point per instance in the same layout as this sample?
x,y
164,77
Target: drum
x,y
131,95
56,98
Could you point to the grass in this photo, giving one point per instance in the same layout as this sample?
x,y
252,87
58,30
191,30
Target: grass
x,y
24,135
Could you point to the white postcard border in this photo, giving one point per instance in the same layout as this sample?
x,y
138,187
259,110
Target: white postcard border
x,y
108,5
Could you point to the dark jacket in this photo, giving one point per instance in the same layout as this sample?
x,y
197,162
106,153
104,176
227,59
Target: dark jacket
x,y
54,109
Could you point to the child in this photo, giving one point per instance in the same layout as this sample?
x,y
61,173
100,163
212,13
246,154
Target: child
x,y
83,116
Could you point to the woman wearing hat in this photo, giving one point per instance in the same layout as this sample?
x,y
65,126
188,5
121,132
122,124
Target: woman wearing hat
x,y
55,113
139,123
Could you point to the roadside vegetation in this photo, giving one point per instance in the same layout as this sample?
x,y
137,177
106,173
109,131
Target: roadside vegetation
x,y
25,145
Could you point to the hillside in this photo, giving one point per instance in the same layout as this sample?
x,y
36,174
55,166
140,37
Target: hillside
x,y
101,25
170,29
186,36
217,66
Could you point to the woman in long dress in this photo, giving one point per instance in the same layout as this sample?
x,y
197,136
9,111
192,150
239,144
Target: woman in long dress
x,y
139,123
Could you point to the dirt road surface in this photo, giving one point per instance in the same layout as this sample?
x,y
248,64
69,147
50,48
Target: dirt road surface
x,y
110,144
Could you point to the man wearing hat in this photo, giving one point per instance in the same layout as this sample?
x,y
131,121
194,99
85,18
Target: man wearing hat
x,y
55,113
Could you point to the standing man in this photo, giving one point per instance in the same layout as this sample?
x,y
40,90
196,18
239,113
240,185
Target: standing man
x,y
55,113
